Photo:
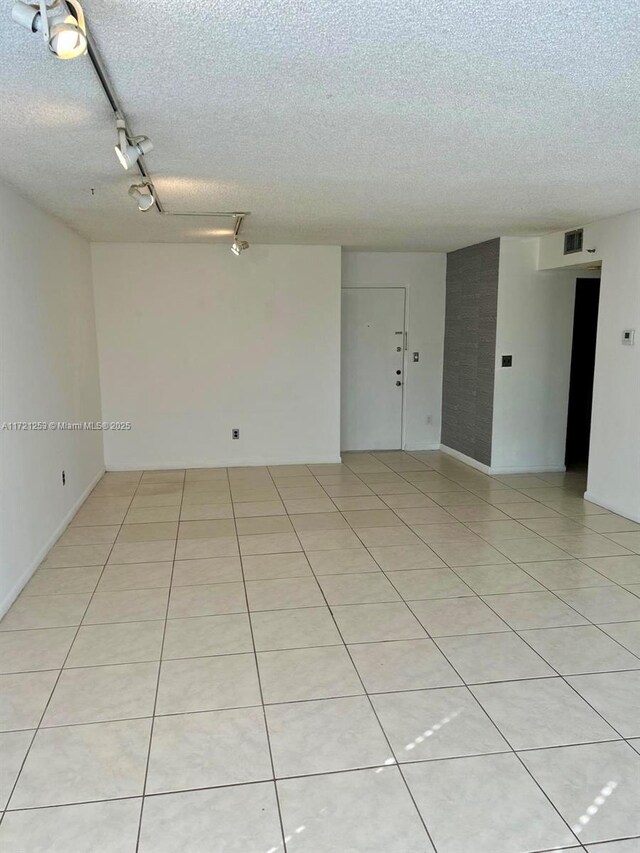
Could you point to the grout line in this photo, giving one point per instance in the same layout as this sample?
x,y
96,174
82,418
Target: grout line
x,y
53,689
382,730
564,678
498,728
330,645
475,699
157,689
550,677
264,712
379,496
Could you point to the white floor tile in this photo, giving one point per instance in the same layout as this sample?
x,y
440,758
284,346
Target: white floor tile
x,y
485,804
444,723
22,651
99,693
74,764
199,636
369,623
615,695
207,684
120,642
314,673
241,818
110,827
541,712
208,749
493,657
572,651
294,629
411,560
24,698
299,742
595,787
363,811
402,665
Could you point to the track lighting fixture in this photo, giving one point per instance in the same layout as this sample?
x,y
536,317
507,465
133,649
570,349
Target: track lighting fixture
x,y
61,24
129,149
239,246
143,195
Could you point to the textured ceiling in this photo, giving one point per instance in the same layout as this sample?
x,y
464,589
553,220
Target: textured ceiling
x,y
367,123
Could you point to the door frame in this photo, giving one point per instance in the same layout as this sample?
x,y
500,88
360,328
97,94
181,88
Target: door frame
x,y
405,345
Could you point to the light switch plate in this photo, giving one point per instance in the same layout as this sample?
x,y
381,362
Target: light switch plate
x,y
628,336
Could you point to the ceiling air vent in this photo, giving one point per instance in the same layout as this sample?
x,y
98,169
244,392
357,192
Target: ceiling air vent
x,y
573,241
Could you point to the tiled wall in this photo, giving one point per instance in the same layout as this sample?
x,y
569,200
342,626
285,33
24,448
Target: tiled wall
x,y
469,349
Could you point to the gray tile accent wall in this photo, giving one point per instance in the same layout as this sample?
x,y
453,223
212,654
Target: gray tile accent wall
x,y
469,349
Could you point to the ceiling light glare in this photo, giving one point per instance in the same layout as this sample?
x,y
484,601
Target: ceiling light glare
x,y
129,149
61,24
143,195
239,246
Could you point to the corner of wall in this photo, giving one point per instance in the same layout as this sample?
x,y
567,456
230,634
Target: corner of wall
x,y
10,595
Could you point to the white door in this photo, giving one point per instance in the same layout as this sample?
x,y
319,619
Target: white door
x,y
372,368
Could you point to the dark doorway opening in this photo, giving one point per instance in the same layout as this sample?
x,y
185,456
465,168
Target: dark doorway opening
x,y
583,359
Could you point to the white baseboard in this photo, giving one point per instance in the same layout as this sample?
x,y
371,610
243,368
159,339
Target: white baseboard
x,y
18,586
163,465
462,457
612,507
487,469
531,469
422,447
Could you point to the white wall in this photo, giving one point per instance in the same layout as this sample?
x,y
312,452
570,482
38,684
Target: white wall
x,y
423,275
535,326
194,342
49,373
614,455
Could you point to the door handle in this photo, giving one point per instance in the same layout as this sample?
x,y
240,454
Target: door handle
x,y
398,382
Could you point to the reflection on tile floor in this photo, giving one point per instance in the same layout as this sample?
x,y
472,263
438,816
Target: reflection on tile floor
x,y
396,654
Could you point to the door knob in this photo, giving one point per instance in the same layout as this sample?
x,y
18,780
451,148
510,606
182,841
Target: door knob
x,y
398,382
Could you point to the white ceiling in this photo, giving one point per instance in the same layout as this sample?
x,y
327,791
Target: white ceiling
x,y
367,123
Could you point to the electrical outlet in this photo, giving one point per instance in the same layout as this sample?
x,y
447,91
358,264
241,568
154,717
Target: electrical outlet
x,y
64,479
235,433
507,360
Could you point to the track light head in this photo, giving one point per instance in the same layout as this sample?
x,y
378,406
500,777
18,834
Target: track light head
x,y
26,15
62,26
239,246
143,195
129,150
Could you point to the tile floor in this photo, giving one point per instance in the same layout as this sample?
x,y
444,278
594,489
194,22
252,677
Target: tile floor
x,y
397,654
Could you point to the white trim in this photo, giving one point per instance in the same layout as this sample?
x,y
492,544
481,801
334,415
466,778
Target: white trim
x,y
435,446
468,460
623,511
533,469
151,465
486,469
16,589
